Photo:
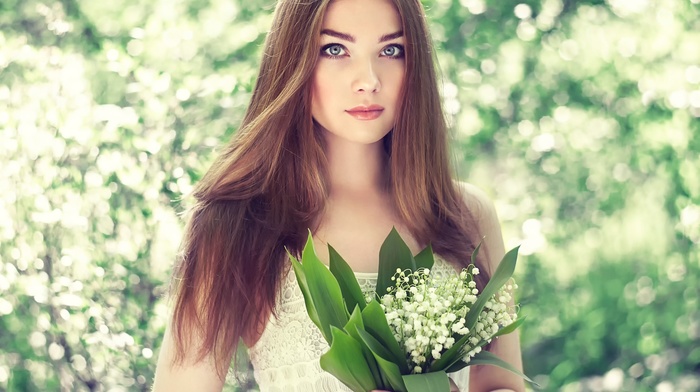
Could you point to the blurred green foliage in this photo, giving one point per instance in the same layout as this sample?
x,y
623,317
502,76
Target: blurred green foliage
x,y
580,118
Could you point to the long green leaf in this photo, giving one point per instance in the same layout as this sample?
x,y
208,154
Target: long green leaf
x,y
324,291
457,366
352,293
450,360
510,327
354,324
394,254
345,361
304,287
375,323
502,331
449,357
475,253
427,382
389,369
487,358
425,258
500,277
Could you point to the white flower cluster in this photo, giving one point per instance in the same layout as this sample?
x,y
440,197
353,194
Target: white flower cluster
x,y
427,314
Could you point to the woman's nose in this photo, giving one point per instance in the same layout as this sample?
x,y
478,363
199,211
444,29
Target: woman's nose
x,y
366,79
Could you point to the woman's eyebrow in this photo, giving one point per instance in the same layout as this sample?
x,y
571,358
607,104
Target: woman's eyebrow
x,y
350,38
389,37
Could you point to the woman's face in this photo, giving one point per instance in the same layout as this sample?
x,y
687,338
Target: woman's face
x,y
358,77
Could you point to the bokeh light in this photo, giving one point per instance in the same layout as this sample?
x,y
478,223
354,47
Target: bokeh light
x,y
580,119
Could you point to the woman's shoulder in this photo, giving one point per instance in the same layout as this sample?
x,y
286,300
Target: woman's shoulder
x,y
476,200
485,221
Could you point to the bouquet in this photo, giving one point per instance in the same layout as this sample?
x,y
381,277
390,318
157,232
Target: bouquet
x,y
416,328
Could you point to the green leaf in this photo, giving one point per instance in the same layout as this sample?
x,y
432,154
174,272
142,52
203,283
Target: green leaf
x,y
449,357
303,285
354,324
510,327
394,254
345,361
352,293
388,367
324,292
450,360
476,252
500,277
502,331
457,366
427,382
375,323
425,258
487,358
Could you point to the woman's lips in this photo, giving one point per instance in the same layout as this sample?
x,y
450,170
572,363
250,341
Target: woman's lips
x,y
365,113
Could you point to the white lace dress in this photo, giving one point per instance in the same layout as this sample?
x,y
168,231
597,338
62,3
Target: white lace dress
x,y
286,357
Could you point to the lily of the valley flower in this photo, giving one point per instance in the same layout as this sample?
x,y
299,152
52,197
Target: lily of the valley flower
x,y
425,312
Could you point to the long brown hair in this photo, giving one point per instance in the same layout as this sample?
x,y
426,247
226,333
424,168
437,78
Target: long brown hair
x,y
269,186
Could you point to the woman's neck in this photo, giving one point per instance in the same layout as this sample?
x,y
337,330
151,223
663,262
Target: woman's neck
x,y
355,167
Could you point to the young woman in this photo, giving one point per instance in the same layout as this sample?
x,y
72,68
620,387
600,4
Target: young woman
x,y
344,136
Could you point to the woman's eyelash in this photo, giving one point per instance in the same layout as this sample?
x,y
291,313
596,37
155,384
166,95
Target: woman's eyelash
x,y
342,51
325,52
398,47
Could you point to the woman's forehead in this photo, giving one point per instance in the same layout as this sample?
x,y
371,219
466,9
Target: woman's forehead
x,y
362,16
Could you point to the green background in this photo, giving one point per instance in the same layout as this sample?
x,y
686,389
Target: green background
x,y
580,118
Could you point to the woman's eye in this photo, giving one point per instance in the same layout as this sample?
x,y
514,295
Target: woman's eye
x,y
393,51
333,50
